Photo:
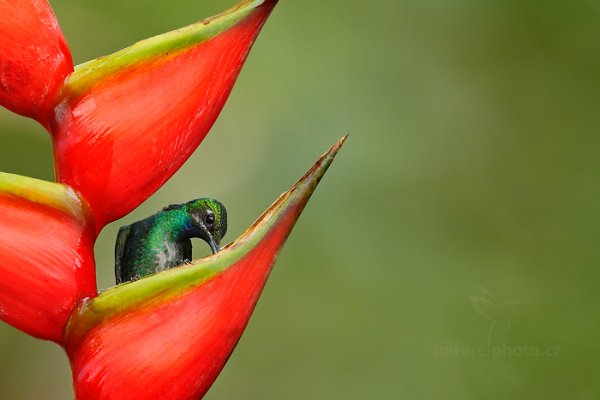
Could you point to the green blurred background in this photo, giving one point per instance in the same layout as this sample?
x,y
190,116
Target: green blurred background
x,y
451,251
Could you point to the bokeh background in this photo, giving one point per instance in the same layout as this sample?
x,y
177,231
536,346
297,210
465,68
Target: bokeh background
x,y
452,250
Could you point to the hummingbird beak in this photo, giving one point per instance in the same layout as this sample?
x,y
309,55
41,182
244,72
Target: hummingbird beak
x,y
206,235
214,245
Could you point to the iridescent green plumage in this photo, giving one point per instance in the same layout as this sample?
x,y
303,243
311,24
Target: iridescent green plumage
x,y
162,241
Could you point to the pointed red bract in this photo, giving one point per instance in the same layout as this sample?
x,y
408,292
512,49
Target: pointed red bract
x,y
169,335
34,58
126,134
46,257
174,350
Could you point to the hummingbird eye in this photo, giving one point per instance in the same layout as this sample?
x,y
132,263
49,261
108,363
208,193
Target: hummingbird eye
x,y
209,219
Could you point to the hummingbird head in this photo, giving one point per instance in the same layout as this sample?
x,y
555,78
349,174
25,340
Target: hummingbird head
x,y
208,218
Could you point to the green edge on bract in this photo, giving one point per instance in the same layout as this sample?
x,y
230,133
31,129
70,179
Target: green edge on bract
x,y
87,74
54,195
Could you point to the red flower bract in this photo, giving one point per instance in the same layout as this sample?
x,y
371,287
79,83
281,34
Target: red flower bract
x,y
46,255
119,135
168,336
34,58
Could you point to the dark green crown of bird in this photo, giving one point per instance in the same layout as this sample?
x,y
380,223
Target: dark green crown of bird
x,y
162,241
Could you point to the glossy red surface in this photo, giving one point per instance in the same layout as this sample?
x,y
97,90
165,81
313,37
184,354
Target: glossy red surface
x,y
46,267
34,58
119,141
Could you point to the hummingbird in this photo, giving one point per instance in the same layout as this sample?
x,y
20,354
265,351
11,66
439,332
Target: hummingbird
x,y
162,241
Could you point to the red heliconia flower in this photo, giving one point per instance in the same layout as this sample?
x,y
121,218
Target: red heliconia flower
x,y
121,126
